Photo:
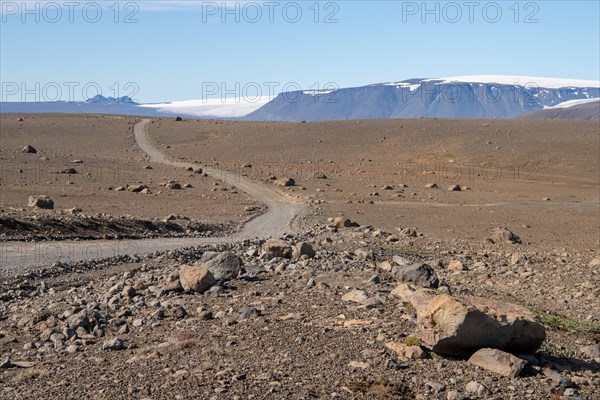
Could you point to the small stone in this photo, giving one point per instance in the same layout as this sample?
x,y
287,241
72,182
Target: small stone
x,y
358,365
113,344
456,266
179,312
303,249
285,182
592,351
128,291
342,222
355,296
503,235
250,312
477,388
406,352
29,149
41,202
277,249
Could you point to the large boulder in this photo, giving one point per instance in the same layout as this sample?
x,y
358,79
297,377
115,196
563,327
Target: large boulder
x,y
420,274
224,266
277,249
195,279
43,202
459,327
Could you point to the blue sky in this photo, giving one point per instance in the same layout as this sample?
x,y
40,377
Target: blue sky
x,y
182,50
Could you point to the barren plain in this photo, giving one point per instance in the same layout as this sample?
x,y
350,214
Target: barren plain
x,y
388,284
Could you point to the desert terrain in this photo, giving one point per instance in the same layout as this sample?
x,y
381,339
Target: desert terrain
x,y
368,295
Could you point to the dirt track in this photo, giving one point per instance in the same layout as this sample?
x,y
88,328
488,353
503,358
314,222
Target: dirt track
x,y
273,223
282,209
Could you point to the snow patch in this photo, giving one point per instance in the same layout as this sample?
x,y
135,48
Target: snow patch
x,y
411,86
317,92
550,83
573,103
220,108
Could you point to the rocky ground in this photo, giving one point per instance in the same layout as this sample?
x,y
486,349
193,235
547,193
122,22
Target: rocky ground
x,y
472,288
37,225
313,315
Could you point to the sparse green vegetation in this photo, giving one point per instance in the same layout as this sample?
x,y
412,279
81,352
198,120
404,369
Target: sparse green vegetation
x,y
412,341
555,321
557,351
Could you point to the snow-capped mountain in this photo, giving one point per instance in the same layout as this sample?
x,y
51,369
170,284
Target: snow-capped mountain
x,y
455,97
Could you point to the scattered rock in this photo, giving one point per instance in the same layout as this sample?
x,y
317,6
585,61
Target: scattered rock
x,y
342,222
592,351
406,352
420,274
498,361
477,388
136,188
250,312
29,149
173,283
277,249
179,312
285,182
195,279
224,266
113,344
359,365
503,235
454,188
173,185
594,263
355,296
303,249
456,266
42,202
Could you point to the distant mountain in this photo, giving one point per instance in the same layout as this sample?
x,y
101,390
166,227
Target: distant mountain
x,y
81,107
460,97
213,109
570,110
99,99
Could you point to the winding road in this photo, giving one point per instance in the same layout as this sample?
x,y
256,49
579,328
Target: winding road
x,y
273,223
